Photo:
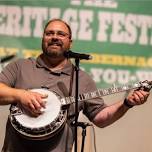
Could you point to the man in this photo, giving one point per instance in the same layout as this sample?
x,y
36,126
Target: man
x,y
49,70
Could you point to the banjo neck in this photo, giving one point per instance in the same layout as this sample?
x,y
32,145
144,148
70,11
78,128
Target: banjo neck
x,y
146,85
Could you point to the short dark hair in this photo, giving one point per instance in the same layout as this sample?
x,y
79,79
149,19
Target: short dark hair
x,y
56,19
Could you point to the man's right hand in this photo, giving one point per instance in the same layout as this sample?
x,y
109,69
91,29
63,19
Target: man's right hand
x,y
33,102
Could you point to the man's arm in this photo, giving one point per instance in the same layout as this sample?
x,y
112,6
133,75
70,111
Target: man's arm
x,y
8,95
32,101
112,113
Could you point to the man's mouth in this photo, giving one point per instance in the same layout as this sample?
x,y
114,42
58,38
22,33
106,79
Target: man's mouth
x,y
54,44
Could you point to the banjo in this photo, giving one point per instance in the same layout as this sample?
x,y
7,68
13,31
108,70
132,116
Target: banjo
x,y
54,116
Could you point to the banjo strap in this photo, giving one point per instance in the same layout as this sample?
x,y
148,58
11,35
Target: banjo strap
x,y
72,108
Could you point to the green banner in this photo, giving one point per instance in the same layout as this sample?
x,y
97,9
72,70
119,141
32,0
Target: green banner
x,y
117,33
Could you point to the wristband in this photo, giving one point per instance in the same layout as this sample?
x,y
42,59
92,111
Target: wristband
x,y
127,104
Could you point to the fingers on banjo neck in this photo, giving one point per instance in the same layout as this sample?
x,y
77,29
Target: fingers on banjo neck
x,y
145,85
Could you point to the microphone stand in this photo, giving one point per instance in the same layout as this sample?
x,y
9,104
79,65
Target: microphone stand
x,y
77,57
76,123
83,136
77,61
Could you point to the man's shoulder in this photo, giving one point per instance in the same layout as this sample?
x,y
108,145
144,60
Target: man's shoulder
x,y
25,60
84,73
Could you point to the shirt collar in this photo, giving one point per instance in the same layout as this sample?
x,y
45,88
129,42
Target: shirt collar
x,y
66,70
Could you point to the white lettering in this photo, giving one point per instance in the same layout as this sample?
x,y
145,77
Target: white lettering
x,y
26,27
2,19
104,23
130,36
70,16
13,19
117,27
85,32
40,15
54,13
145,22
96,74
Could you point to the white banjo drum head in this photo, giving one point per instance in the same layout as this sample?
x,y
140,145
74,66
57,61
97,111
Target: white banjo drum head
x,y
49,113
51,119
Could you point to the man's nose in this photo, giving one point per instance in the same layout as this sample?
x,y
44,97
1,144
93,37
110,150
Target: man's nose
x,y
55,35
54,38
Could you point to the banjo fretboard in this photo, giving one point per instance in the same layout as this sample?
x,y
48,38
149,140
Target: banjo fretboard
x,y
105,92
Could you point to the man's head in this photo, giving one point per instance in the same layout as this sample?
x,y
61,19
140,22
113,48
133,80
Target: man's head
x,y
56,38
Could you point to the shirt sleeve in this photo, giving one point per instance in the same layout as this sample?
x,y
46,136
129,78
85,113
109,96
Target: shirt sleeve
x,y
9,74
93,105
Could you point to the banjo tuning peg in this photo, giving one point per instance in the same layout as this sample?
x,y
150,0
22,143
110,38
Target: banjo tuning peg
x,y
146,85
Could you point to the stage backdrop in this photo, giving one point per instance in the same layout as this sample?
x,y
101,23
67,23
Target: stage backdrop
x,y
117,33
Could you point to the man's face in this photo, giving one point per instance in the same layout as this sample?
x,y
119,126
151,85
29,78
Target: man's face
x,y
56,39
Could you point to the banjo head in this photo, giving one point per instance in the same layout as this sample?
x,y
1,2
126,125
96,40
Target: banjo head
x,y
45,125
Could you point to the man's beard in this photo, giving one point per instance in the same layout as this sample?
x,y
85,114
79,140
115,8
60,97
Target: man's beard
x,y
53,53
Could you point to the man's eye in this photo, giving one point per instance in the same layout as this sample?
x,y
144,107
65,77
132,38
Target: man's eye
x,y
49,33
61,33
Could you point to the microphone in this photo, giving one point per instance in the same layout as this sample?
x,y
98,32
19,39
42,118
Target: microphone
x,y
6,58
70,54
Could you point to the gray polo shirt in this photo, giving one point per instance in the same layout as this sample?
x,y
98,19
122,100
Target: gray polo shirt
x,y
34,73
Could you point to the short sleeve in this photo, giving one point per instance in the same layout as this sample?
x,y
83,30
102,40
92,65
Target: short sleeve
x,y
9,74
92,106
